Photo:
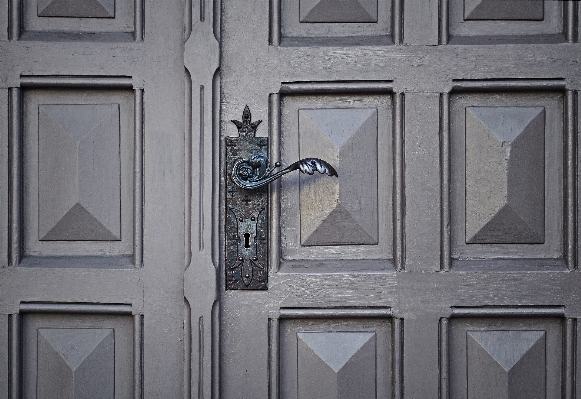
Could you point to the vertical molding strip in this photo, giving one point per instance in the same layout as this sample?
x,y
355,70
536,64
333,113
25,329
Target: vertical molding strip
x,y
570,21
15,176
201,333
444,366
14,359
273,356
215,377
216,168
188,168
201,169
202,10
396,17
274,201
139,18
570,186
14,20
138,356
138,182
570,349
397,365
398,192
446,260
187,350
444,22
188,15
274,32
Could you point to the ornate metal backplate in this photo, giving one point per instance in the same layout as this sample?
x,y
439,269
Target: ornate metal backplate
x,y
246,214
248,176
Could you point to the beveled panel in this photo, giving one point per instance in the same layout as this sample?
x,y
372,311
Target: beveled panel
x,y
500,357
336,364
505,21
72,355
332,210
323,218
506,170
79,172
336,358
77,8
329,22
338,11
504,10
91,20
514,360
76,363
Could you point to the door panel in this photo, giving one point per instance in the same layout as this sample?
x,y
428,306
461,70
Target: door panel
x,y
337,224
453,215
91,286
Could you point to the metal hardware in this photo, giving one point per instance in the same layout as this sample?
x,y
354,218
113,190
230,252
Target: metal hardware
x,y
254,172
247,203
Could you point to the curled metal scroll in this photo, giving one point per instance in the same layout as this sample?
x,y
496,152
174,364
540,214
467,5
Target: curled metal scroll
x,y
254,172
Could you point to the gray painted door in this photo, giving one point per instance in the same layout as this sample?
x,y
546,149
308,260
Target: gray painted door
x,y
92,199
443,260
442,263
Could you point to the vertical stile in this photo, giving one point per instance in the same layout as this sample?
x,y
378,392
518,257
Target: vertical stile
x,y
138,182
445,180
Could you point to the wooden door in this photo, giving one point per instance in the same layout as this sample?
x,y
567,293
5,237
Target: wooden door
x,y
443,260
92,199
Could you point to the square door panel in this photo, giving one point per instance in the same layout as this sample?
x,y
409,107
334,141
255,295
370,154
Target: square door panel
x,y
505,358
505,21
337,218
78,172
507,175
78,19
335,358
77,356
356,22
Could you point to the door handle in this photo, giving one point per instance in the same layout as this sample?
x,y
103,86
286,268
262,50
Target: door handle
x,y
253,173
249,173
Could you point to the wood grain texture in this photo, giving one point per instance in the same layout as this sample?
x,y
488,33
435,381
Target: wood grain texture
x,y
421,22
422,216
4,7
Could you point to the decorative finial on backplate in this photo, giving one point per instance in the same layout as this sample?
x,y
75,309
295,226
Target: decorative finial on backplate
x,y
246,127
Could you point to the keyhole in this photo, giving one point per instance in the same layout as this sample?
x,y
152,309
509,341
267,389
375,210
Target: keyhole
x,y
246,240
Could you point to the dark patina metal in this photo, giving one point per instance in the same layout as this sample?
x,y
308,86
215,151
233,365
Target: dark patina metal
x,y
247,203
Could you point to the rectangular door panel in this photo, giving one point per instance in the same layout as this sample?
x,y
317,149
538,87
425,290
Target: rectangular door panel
x,y
507,196
111,20
78,174
337,223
